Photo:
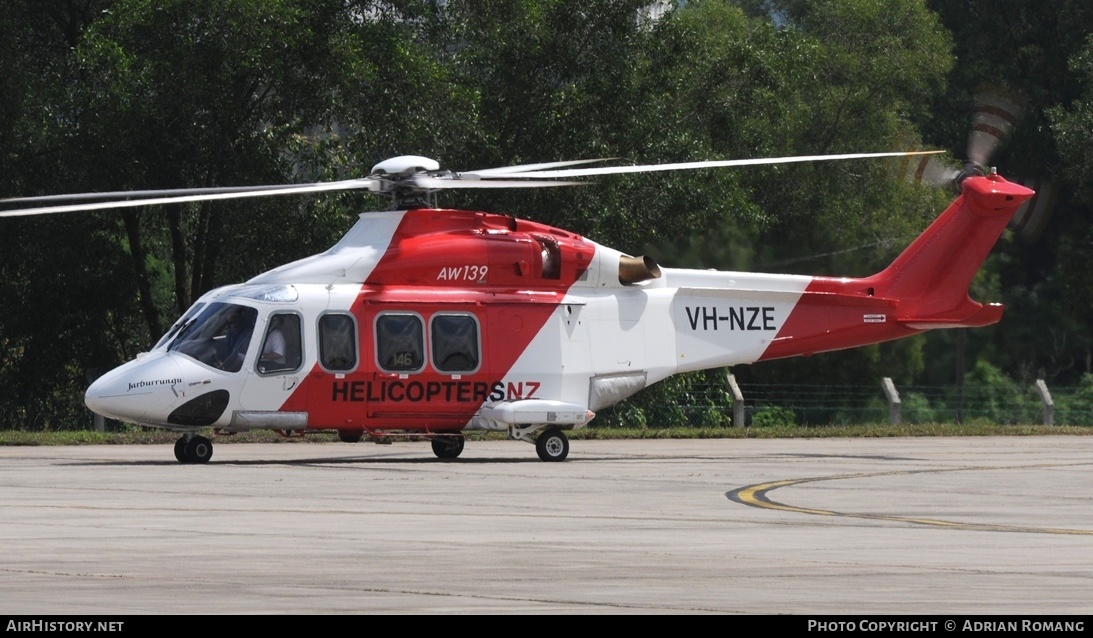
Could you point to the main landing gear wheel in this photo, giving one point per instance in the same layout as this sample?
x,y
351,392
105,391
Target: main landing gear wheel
x,y
350,436
449,446
552,445
195,449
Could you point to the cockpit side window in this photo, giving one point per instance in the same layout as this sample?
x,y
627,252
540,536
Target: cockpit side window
x,y
337,342
281,348
400,342
219,337
454,340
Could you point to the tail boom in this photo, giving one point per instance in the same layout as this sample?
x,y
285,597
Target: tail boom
x,y
925,288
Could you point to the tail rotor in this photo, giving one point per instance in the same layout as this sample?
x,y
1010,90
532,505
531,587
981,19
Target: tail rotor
x,y
994,116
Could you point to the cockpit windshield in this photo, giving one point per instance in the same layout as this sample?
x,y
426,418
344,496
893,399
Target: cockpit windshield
x,y
179,324
218,337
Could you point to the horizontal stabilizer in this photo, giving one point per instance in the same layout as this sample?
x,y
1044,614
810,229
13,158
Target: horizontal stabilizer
x,y
972,315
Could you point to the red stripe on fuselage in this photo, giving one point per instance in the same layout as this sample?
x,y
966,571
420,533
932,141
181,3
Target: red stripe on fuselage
x,y
833,314
440,261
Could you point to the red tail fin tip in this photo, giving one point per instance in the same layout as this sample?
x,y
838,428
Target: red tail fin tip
x,y
930,278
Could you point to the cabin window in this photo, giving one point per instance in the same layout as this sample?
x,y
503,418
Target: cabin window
x,y
454,339
400,342
281,348
337,342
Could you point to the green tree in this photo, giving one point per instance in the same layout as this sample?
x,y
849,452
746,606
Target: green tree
x,y
1033,51
840,77
66,281
206,93
138,95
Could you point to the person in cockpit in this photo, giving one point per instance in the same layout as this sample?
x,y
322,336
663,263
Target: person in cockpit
x,y
233,348
273,351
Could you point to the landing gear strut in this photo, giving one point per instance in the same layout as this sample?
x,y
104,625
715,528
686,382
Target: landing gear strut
x,y
193,449
551,444
448,446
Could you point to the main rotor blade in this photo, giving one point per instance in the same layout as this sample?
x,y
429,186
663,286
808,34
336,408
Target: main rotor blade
x,y
352,184
651,168
167,192
440,183
523,168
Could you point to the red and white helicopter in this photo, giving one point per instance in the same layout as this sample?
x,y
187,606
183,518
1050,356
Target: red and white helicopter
x,y
432,322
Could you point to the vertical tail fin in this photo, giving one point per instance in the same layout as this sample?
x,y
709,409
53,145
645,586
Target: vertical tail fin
x,y
931,277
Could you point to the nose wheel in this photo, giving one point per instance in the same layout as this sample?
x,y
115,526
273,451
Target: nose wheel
x,y
193,449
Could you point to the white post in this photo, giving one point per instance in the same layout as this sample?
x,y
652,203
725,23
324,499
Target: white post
x,y
893,400
738,414
1049,404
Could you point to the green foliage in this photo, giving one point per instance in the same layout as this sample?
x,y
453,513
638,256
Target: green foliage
x,y
992,397
915,408
698,399
1076,408
773,417
1072,124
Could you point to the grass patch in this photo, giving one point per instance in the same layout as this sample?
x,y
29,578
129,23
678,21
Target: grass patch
x,y
831,431
135,437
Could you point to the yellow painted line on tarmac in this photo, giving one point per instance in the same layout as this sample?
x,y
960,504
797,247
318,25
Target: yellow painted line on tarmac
x,y
757,496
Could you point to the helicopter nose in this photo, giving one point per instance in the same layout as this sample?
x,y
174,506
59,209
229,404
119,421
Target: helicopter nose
x,y
141,391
